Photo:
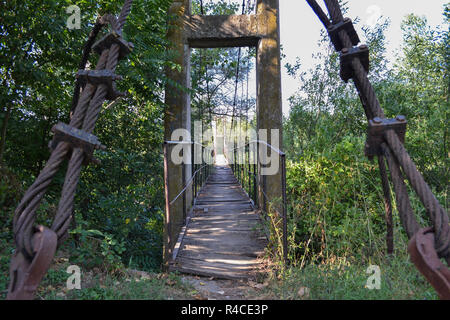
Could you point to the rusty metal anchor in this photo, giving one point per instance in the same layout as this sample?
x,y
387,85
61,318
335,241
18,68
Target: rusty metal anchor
x,y
423,255
26,274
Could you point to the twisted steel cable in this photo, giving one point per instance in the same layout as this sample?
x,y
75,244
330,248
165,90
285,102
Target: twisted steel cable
x,y
387,205
407,218
65,208
85,115
437,214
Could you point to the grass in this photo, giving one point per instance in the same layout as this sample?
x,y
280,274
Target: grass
x,y
328,281
336,278
129,285
399,280
99,285
157,287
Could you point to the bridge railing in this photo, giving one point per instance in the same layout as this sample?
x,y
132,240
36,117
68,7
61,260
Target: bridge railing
x,y
247,169
199,173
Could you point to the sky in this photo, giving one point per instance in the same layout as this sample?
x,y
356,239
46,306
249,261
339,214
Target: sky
x,y
300,29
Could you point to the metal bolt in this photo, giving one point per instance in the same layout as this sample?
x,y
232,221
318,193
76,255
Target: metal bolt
x,y
377,120
347,20
345,50
363,47
401,118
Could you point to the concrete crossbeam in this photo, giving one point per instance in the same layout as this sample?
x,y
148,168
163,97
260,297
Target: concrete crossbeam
x,y
222,31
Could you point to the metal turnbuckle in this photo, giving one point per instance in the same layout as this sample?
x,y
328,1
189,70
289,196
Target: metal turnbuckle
x,y
423,255
77,139
346,25
26,274
376,130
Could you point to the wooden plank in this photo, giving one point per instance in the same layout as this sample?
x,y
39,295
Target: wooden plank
x,y
231,244
222,255
226,206
225,224
242,237
226,240
228,260
238,246
224,218
243,249
215,269
219,274
218,231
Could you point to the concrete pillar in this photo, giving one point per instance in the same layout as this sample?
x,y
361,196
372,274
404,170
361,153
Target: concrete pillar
x,y
177,116
268,77
187,31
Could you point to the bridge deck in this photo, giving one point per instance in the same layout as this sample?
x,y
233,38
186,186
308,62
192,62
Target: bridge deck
x,y
223,238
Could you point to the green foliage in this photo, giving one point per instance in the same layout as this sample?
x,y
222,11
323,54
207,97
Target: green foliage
x,y
97,249
122,199
98,285
10,189
336,226
341,280
336,206
6,250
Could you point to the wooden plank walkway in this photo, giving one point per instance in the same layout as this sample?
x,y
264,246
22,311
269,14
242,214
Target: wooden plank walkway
x,y
224,237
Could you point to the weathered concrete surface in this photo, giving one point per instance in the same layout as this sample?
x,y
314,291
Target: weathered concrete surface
x,y
222,31
268,78
177,115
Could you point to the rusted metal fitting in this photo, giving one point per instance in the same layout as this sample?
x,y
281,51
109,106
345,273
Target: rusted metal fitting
x,y
424,256
376,130
26,274
77,139
346,25
125,48
347,55
96,77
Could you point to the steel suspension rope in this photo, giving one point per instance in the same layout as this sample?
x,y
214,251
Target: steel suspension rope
x,y
423,254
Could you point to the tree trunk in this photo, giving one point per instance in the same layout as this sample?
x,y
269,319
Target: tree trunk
x,y
3,133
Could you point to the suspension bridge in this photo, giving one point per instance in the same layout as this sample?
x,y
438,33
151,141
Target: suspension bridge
x,y
215,213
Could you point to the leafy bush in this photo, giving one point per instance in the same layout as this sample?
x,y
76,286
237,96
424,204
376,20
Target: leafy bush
x,y
335,203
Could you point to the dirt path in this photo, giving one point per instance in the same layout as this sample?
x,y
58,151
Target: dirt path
x,y
216,289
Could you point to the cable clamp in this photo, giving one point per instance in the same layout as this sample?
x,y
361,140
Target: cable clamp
x,y
125,48
77,139
97,77
376,130
346,25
